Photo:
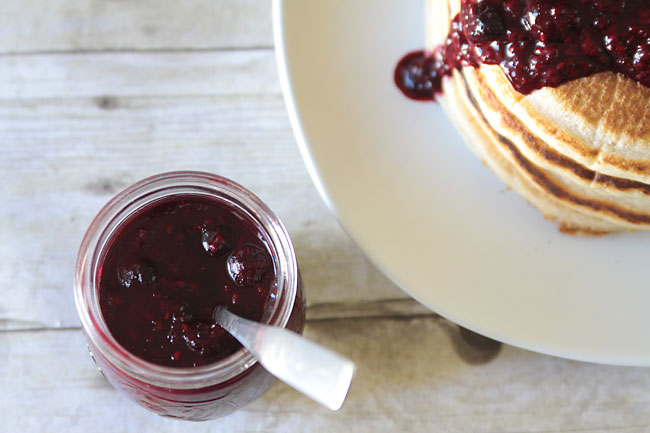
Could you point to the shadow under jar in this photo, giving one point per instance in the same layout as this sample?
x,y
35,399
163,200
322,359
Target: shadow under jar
x,y
155,262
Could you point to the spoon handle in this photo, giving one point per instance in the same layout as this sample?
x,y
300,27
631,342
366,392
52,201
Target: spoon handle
x,y
310,368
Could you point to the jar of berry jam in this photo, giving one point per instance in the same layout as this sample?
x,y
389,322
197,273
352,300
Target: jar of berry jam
x,y
155,263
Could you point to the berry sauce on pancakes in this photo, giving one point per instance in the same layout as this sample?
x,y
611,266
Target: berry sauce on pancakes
x,y
538,43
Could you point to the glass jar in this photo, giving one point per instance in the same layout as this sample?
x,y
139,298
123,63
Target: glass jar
x,y
195,393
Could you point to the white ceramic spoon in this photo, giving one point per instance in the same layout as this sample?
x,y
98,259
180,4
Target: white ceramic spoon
x,y
312,369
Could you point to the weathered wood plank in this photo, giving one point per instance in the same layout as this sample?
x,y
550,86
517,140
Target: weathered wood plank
x,y
96,94
382,308
101,25
413,375
62,159
104,75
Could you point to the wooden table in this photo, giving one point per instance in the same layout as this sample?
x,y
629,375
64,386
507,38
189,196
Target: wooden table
x,y
97,94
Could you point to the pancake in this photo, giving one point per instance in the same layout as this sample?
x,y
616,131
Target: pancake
x,y
579,152
486,144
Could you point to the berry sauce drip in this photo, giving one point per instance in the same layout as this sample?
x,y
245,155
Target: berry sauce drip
x,y
168,268
538,43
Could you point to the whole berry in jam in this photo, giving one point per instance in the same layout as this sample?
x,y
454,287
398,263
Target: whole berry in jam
x,y
484,21
169,266
203,337
214,241
247,264
215,236
136,272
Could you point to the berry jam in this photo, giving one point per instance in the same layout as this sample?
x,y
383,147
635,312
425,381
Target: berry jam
x,y
170,266
154,264
538,43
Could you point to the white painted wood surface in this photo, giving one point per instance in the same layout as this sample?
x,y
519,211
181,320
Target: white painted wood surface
x,y
96,94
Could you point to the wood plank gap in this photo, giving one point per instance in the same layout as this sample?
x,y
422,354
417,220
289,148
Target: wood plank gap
x,y
393,317
385,308
136,51
100,99
41,329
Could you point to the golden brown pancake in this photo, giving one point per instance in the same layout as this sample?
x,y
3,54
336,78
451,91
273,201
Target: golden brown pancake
x,y
579,152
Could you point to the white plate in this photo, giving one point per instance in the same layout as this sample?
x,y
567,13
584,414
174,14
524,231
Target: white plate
x,y
428,213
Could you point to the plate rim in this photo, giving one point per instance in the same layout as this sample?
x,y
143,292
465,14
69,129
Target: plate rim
x,y
283,68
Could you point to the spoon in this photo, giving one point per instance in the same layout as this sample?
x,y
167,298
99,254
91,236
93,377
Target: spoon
x,y
310,368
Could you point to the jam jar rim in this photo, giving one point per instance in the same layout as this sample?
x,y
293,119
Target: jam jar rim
x,y
128,202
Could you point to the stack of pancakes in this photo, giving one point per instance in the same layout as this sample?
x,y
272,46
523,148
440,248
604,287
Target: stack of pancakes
x,y
579,152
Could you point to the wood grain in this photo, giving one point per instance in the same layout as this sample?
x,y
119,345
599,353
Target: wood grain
x,y
410,379
69,156
80,128
38,26
108,75
96,94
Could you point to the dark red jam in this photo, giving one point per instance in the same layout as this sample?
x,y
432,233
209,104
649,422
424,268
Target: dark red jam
x,y
538,43
170,266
